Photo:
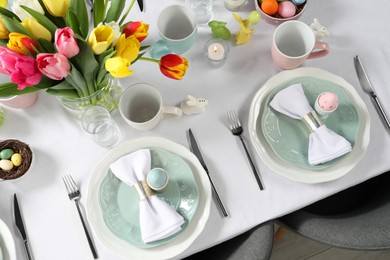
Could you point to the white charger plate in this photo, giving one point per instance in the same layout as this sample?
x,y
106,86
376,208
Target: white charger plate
x,y
7,243
339,167
163,251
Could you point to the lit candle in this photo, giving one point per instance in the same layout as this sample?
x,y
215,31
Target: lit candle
x,y
216,51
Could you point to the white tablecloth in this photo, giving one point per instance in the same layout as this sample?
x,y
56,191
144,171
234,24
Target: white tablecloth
x,y
61,147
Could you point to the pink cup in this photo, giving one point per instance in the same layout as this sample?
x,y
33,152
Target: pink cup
x,y
293,43
20,101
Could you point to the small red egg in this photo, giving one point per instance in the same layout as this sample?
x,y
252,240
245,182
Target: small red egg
x,y
286,9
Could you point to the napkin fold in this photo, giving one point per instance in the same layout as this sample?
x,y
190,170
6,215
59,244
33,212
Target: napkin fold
x,y
324,144
158,220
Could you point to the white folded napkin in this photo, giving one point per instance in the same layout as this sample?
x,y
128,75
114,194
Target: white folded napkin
x,y
324,144
157,219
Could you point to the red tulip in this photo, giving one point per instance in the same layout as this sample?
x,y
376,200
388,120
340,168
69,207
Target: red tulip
x,y
173,66
22,44
138,29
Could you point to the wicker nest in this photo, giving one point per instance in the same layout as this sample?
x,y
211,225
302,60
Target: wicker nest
x,y
26,153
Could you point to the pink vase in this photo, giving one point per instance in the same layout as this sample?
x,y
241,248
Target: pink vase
x,y
20,101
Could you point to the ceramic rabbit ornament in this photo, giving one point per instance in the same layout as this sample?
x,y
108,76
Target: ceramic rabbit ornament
x,y
192,105
319,30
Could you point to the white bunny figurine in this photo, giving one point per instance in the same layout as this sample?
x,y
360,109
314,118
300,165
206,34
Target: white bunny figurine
x,y
192,105
319,31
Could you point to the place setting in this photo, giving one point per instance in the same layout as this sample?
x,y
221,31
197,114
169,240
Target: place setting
x,y
141,193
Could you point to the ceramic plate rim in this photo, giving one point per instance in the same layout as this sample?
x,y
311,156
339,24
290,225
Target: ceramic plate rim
x,y
165,251
9,244
284,168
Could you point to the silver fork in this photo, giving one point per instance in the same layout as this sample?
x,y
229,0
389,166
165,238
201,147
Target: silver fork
x,y
75,195
236,128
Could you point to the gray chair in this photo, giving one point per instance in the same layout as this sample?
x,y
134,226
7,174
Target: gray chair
x,y
357,218
255,244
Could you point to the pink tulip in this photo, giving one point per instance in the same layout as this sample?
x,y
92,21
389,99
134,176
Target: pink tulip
x,y
54,66
23,69
65,42
7,60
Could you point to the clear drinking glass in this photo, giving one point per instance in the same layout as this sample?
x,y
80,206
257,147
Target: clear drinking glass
x,y
203,10
97,122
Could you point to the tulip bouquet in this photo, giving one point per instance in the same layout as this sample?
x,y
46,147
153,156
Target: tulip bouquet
x,y
48,44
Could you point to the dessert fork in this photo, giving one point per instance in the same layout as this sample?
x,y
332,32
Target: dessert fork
x,y
236,128
75,195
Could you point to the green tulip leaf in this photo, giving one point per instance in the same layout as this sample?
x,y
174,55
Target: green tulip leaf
x,y
98,11
9,14
115,10
43,20
79,17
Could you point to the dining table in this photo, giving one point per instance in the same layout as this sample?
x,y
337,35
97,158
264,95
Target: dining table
x,y
60,146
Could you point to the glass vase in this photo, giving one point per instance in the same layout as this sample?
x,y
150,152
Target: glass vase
x,y
107,97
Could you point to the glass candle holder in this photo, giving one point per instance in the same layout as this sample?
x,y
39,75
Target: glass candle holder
x,y
216,51
233,5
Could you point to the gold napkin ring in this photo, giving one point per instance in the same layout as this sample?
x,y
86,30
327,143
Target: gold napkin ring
x,y
143,190
312,120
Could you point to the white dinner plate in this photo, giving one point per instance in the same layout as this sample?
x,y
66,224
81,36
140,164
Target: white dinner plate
x,y
7,243
293,169
165,250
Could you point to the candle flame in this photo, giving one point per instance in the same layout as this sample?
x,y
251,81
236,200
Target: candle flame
x,y
215,48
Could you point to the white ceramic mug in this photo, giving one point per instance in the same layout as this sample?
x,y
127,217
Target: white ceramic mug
x,y
141,106
293,43
177,26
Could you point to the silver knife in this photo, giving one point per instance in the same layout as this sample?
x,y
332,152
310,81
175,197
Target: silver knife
x,y
19,223
369,89
195,149
141,5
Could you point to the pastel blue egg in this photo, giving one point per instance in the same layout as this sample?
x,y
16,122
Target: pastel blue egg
x,y
157,178
6,153
298,2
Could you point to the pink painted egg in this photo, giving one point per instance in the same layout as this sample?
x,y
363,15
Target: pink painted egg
x,y
328,101
286,9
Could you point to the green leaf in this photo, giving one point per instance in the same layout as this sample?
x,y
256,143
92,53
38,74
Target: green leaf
x,y
9,14
79,12
99,10
115,10
73,22
86,63
70,93
43,20
75,79
47,46
63,89
15,26
11,89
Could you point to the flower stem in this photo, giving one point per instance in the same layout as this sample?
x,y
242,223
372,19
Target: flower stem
x,y
127,12
149,59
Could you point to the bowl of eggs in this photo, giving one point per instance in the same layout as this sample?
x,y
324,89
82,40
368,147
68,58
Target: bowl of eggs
x,y
278,11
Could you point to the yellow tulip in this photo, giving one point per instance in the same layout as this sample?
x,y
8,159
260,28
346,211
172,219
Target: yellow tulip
x,y
101,38
3,30
22,44
118,67
36,29
56,7
127,47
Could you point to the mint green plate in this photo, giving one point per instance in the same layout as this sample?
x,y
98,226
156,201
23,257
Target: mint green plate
x,y
289,137
120,203
281,142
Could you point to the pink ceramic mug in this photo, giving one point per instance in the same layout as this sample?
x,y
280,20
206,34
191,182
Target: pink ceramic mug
x,y
293,43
